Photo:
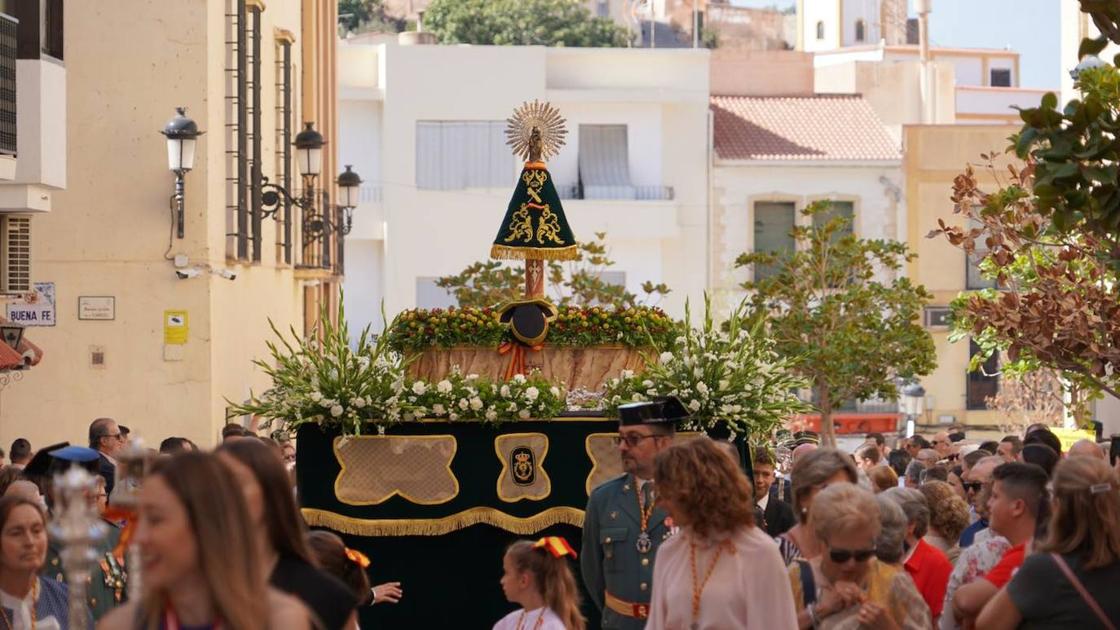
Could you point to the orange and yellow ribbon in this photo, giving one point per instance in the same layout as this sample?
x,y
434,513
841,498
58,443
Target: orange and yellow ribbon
x,y
555,545
517,358
357,557
117,514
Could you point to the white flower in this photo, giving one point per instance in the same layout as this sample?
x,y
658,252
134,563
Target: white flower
x,y
444,386
336,410
476,403
505,391
694,405
532,393
464,404
358,402
453,416
702,387
316,396
647,383
419,388
698,372
723,383
680,341
666,357
627,374
439,409
518,378
636,397
472,377
512,407
327,403
555,391
491,415
523,414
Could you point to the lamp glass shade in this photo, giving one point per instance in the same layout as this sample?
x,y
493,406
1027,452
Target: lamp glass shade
x,y
180,154
348,195
913,400
310,161
12,334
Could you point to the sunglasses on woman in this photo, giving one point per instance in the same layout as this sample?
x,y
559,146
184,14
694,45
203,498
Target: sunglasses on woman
x,y
974,486
840,556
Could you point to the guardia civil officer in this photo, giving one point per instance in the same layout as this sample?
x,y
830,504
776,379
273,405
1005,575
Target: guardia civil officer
x,y
623,528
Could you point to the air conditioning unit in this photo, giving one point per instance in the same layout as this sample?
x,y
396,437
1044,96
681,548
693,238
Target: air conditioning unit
x,y
15,254
937,316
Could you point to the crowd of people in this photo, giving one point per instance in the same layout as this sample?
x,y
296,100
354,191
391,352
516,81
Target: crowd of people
x,y
697,533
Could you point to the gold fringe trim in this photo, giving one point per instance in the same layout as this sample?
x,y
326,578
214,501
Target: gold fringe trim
x,y
445,525
506,252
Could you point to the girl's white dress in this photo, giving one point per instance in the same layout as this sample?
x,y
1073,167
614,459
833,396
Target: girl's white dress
x,y
548,620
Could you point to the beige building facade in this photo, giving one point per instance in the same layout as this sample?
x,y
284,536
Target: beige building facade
x,y
151,329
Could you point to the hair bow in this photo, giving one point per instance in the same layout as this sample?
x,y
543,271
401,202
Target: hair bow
x,y
357,557
555,545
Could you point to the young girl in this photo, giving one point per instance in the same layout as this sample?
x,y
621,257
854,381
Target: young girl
x,y
537,576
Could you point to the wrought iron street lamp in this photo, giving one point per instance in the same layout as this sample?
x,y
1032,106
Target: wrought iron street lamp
x,y
913,404
316,218
182,135
12,334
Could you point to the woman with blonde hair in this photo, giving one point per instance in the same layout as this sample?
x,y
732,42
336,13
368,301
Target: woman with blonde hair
x,y
1070,579
537,576
198,570
882,478
846,586
812,473
948,516
720,570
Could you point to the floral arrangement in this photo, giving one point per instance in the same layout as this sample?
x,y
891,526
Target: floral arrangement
x,y
470,397
722,373
639,326
327,382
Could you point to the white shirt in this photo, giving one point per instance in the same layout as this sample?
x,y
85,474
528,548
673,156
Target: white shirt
x,y
548,620
763,502
21,611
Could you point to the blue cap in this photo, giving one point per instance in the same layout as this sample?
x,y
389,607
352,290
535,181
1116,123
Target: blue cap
x,y
75,454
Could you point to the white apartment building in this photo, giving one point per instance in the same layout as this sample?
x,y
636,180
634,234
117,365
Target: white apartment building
x,y
424,126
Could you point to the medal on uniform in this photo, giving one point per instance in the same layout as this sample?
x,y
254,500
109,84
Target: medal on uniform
x,y
644,543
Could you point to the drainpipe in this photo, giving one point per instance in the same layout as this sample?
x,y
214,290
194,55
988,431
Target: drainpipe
x,y
924,7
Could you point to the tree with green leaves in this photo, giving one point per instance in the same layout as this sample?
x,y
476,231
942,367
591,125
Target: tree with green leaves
x,y
576,283
521,23
847,330
355,15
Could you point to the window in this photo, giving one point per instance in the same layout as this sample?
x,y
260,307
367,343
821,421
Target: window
x,y
773,227
9,36
1000,77
973,278
937,316
860,31
40,27
15,254
430,295
453,155
837,209
283,168
255,172
604,162
820,30
982,383
603,8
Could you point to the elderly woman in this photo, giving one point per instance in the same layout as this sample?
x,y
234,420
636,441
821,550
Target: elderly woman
x,y
927,565
948,518
882,478
811,474
890,546
847,587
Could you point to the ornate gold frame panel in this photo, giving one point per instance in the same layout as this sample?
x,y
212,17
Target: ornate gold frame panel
x,y
376,468
445,525
603,453
523,476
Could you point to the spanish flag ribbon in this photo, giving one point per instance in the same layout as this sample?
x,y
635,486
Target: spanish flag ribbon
x,y
117,514
555,545
357,557
517,358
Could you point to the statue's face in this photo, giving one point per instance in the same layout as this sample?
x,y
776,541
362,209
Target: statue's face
x,y
535,135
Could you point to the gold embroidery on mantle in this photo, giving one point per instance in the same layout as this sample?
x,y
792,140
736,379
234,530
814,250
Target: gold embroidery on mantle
x,y
375,468
446,525
523,476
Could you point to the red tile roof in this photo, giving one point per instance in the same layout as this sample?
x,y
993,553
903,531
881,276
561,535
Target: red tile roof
x,y
821,127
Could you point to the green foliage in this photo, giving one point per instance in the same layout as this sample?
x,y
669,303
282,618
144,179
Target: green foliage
x,y
727,373
845,328
361,15
521,23
470,397
640,326
491,283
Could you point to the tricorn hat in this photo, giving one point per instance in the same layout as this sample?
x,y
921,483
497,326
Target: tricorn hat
x,y
660,410
528,319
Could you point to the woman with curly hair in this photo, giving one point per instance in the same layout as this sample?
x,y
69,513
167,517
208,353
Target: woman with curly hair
x,y
948,516
720,570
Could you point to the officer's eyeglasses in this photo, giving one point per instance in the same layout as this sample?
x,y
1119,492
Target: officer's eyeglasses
x,y
631,439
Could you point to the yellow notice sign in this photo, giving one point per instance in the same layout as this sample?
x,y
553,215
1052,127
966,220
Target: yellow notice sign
x,y
1070,436
175,328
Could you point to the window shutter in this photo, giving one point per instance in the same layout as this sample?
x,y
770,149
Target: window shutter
x,y
15,254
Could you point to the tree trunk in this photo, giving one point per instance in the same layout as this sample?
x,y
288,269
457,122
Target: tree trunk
x,y
824,401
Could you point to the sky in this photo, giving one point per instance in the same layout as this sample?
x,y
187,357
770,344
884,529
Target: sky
x,y
1028,26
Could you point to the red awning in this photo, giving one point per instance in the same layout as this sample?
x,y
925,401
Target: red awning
x,y
26,355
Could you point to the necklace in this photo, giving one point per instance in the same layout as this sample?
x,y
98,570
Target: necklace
x,y
34,617
171,619
540,618
644,544
698,589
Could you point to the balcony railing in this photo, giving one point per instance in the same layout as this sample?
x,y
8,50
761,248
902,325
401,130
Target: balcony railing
x,y
638,193
9,37
369,193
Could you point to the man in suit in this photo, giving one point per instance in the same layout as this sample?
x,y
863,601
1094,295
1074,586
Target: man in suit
x,y
105,437
777,515
623,527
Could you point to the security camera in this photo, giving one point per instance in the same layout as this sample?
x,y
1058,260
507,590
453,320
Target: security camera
x,y
190,272
227,274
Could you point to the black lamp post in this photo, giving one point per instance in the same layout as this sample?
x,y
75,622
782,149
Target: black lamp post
x,y
182,135
309,158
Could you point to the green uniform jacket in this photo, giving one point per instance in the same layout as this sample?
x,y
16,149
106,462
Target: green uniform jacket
x,y
104,592
610,560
